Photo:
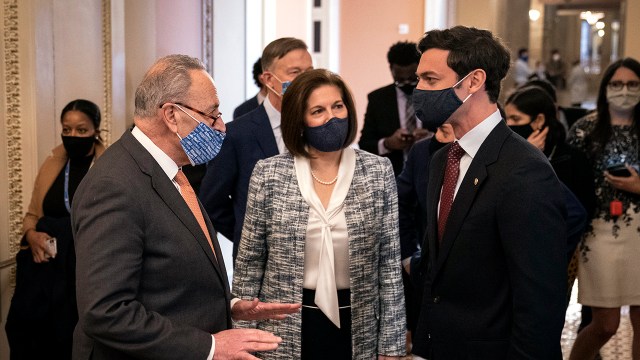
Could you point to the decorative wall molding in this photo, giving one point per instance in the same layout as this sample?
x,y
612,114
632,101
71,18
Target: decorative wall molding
x,y
107,72
13,124
207,35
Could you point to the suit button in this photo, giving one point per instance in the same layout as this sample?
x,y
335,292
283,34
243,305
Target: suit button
x,y
436,299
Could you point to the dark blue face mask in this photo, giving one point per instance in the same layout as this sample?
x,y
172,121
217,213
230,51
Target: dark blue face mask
x,y
328,137
434,107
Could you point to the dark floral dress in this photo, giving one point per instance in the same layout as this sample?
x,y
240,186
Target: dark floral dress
x,y
609,266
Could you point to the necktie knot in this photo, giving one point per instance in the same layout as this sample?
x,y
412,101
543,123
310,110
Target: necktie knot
x,y
455,151
181,179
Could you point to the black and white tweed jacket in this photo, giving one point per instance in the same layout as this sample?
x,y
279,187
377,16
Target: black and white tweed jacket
x,y
270,259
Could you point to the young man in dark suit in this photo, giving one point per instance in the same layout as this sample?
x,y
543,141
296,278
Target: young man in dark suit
x,y
151,280
252,137
494,251
390,126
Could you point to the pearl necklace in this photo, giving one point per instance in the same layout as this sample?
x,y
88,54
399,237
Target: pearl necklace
x,y
324,182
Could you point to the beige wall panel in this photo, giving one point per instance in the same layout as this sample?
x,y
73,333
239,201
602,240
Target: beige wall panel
x,y
632,32
368,29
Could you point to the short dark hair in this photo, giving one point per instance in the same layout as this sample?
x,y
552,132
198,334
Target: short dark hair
x,y
403,53
294,108
469,49
522,51
533,100
257,71
279,48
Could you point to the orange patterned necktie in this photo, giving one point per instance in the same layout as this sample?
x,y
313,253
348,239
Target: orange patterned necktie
x,y
190,198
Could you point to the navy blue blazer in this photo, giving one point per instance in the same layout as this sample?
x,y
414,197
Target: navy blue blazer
x,y
224,188
412,195
497,284
246,107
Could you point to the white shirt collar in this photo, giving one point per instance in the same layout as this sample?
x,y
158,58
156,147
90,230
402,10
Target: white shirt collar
x,y
472,140
166,163
260,97
272,114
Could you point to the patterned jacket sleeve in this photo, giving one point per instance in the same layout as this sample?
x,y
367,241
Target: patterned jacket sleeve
x,y
252,252
391,339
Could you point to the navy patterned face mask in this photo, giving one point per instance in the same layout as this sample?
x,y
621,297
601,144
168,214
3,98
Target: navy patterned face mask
x,y
328,137
434,107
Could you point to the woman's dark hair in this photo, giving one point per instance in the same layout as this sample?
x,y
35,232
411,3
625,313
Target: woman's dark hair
x,y
295,103
88,108
534,100
601,133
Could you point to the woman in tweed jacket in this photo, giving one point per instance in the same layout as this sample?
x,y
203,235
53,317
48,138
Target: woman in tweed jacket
x,y
321,229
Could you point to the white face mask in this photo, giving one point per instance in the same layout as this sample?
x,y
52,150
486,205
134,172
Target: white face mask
x,y
623,99
556,57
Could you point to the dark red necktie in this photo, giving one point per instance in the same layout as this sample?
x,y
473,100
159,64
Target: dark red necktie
x,y
449,186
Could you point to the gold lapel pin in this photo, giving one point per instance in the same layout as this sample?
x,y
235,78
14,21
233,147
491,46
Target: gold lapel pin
x,y
475,181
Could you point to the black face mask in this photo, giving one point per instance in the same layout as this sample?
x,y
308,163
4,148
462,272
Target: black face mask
x,y
77,146
523,130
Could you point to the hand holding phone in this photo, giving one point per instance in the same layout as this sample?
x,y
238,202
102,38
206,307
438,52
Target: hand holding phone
x,y
619,169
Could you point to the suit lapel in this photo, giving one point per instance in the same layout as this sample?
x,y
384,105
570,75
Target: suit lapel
x,y
264,133
436,177
393,116
469,188
170,195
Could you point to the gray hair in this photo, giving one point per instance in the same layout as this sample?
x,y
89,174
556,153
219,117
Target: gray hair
x,y
167,80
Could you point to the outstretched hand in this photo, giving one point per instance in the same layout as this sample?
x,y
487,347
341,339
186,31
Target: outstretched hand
x,y
258,310
240,343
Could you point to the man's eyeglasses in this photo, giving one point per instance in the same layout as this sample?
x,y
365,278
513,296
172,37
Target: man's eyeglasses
x,y
217,114
618,85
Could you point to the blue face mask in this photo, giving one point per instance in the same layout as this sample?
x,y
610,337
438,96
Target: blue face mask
x,y
285,85
434,107
203,143
328,137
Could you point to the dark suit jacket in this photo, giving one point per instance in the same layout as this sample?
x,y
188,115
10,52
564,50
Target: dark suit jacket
x,y
245,107
412,195
382,120
148,284
223,191
496,286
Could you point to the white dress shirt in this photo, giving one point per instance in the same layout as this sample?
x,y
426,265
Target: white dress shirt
x,y
471,142
326,255
274,119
